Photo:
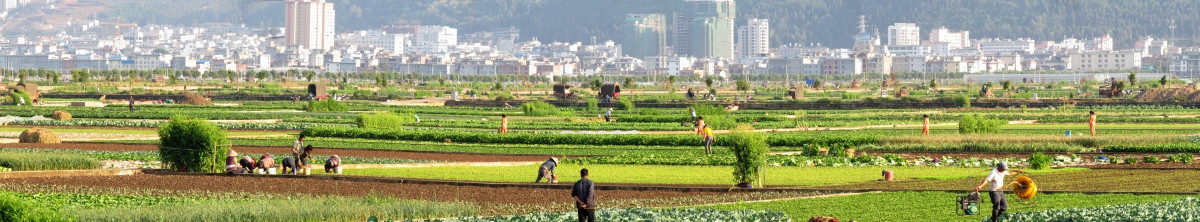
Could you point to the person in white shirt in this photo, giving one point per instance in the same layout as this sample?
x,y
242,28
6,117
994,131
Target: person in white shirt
x,y
996,192
298,147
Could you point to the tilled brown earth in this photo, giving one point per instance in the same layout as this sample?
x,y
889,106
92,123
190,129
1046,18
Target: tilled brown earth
x,y
255,149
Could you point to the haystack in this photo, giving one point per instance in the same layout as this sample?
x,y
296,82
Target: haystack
x,y
194,99
38,135
1169,95
60,115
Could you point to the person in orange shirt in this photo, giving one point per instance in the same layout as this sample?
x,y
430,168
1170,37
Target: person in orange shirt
x,y
1092,122
700,126
503,123
925,128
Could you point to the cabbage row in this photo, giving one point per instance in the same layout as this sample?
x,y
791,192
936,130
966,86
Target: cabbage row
x,y
577,139
641,214
1187,209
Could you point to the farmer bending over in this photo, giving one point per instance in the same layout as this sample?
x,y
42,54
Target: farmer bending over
x,y
289,166
266,162
305,157
996,192
333,165
248,163
547,171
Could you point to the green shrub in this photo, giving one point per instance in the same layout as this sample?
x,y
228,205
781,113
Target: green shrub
x,y
326,106
192,145
18,95
625,103
708,110
46,161
539,108
1131,160
502,96
1151,159
593,104
1181,158
384,120
974,123
1039,161
750,148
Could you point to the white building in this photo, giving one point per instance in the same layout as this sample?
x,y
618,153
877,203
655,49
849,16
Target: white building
x,y
310,23
904,34
392,43
1106,61
434,39
1005,46
754,39
953,40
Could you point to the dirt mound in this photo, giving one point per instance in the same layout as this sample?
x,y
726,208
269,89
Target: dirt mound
x,y
194,99
60,115
38,135
1186,94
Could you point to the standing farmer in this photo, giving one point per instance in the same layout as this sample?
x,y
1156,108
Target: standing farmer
x,y
1092,122
503,123
131,104
297,147
693,115
925,128
700,126
584,195
996,192
709,138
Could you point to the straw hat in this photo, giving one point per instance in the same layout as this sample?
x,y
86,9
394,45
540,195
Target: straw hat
x,y
232,153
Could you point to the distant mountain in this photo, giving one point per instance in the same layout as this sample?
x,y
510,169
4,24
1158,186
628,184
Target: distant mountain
x,y
829,22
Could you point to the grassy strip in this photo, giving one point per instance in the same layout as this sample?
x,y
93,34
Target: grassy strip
x,y
927,206
679,175
45,161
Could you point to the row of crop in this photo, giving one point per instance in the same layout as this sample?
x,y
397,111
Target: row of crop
x,y
1185,147
640,214
147,156
164,113
555,125
153,124
976,147
27,161
576,139
1187,209
802,161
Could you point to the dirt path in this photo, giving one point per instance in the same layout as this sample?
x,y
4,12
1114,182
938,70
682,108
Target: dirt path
x,y
810,128
342,152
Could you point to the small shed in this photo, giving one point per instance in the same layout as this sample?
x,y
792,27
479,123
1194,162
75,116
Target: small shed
x,y
611,89
317,91
563,91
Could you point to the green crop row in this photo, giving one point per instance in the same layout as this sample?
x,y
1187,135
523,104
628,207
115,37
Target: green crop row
x,y
154,124
640,214
577,139
1187,209
27,161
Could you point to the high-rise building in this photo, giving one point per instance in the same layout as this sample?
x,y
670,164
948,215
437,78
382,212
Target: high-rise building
x,y
434,39
645,35
712,28
754,39
904,34
953,40
310,23
678,36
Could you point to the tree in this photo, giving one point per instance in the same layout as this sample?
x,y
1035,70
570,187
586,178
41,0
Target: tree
x,y
1133,79
192,145
1007,84
1163,81
498,86
308,75
80,76
260,75
380,80
708,81
743,85
628,82
750,150
442,81
933,83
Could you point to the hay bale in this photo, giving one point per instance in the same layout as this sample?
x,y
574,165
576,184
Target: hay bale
x,y
194,99
60,115
38,135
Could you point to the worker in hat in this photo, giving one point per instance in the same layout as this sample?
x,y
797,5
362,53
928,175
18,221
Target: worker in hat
x,y
547,171
231,164
996,192
608,115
